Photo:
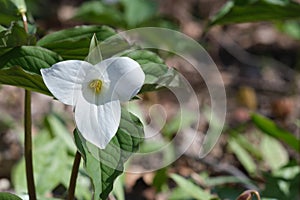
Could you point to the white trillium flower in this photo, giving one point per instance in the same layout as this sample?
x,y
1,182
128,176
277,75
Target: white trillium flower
x,y
95,91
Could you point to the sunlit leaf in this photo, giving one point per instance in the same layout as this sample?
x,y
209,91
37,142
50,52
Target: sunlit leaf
x,y
11,10
16,76
282,184
52,160
104,166
95,55
291,28
20,5
8,196
30,58
14,36
74,43
2,28
160,179
190,188
270,147
137,11
118,189
249,146
158,75
21,67
270,128
99,13
222,180
257,10
242,155
178,123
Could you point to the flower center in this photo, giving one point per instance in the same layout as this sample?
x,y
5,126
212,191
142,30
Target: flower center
x,y
96,85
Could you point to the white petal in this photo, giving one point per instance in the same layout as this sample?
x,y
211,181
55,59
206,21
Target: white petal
x,y
125,75
97,123
64,79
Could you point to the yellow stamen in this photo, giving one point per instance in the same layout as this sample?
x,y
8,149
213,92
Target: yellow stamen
x,y
96,85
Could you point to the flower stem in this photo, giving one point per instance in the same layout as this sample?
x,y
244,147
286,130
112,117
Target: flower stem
x,y
72,185
28,135
24,19
28,146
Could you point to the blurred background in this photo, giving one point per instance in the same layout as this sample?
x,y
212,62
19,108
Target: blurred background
x,y
259,60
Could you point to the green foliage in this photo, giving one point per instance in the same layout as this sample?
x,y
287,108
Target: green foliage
x,y
6,122
158,75
17,71
118,189
283,184
19,5
8,196
243,156
138,11
74,43
190,189
239,11
124,13
54,148
160,179
15,36
30,58
223,180
95,55
290,27
269,127
16,76
53,154
98,12
179,122
20,66
11,10
104,166
270,147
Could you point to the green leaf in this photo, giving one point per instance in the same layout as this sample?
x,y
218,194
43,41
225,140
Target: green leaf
x,y
95,55
74,43
160,179
178,123
269,148
11,10
290,27
30,58
179,193
118,190
2,28
99,13
8,196
190,188
258,10
269,127
282,184
248,145
21,67
242,155
58,130
20,5
138,11
157,74
222,180
52,161
14,36
16,76
105,165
